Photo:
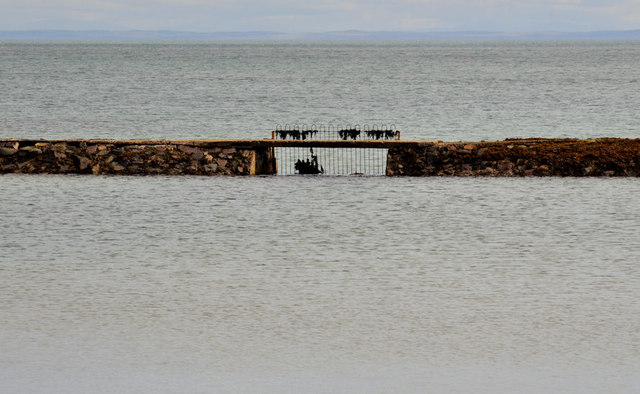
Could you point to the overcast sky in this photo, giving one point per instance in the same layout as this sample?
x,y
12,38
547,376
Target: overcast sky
x,y
317,16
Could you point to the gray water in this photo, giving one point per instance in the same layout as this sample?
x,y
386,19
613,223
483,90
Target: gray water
x,y
450,91
318,284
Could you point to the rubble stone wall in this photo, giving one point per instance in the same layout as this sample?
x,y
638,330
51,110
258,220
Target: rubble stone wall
x,y
512,157
130,158
518,157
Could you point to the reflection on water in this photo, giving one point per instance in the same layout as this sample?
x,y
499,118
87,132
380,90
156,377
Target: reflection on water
x,y
318,284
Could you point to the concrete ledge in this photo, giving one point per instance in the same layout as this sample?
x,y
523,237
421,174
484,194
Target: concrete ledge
x,y
236,143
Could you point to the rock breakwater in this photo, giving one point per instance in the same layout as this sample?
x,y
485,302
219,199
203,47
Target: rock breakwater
x,y
518,157
107,157
512,157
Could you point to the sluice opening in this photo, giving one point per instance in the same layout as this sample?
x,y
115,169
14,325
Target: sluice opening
x,y
349,153
331,161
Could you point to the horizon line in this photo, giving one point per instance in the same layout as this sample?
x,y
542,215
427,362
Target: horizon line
x,y
342,35
325,31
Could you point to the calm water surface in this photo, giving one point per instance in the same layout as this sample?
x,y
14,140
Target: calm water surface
x,y
429,90
319,284
333,284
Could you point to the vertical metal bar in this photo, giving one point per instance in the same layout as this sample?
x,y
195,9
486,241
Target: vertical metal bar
x,y
365,170
374,168
384,161
375,161
353,161
335,162
347,160
327,169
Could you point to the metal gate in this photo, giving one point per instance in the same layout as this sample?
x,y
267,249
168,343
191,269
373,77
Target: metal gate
x,y
315,159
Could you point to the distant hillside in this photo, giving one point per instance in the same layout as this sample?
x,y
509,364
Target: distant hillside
x,y
143,35
134,35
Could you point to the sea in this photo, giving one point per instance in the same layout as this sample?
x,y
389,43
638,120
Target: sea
x,y
319,284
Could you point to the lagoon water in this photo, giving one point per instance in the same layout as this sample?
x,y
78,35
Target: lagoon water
x,y
319,284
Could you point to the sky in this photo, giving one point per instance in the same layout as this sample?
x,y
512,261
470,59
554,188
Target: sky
x,y
321,16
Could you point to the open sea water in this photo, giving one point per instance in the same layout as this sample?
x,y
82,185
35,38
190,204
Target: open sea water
x,y
319,284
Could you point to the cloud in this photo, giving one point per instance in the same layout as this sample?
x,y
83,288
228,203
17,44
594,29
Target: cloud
x,y
319,15
334,6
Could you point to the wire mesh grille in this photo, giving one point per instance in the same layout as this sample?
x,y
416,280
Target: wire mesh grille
x,y
344,133
331,161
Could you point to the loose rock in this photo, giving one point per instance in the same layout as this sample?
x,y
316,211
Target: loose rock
x,y
4,152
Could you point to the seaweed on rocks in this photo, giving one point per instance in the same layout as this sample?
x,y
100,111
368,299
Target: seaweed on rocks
x,y
382,134
296,134
351,134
